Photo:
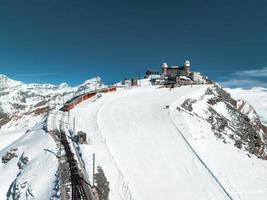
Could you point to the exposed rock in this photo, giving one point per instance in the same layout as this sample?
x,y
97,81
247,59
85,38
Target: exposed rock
x,y
9,155
4,118
102,184
231,120
19,106
187,105
41,103
23,160
214,100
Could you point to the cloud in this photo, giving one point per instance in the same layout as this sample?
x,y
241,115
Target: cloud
x,y
243,83
253,73
36,74
246,79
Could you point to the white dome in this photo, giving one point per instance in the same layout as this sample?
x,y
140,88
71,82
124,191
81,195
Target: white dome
x,y
187,63
164,65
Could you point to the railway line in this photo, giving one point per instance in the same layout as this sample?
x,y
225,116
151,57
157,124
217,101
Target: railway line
x,y
73,184
80,189
74,180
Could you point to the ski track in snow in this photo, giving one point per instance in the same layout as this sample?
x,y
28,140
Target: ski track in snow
x,y
201,161
157,188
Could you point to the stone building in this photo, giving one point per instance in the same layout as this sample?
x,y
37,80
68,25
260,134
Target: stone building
x,y
173,71
197,77
151,73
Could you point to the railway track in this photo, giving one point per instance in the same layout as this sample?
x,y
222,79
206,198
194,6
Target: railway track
x,y
73,183
80,189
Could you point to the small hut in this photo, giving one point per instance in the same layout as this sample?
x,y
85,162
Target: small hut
x,y
82,137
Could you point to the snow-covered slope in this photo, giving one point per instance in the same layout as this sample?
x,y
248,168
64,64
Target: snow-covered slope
x,y
6,82
149,149
190,142
235,165
21,103
257,97
28,165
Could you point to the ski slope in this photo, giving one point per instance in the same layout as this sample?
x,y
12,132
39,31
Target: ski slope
x,y
140,149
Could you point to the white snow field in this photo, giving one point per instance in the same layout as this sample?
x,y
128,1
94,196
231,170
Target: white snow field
x,y
145,157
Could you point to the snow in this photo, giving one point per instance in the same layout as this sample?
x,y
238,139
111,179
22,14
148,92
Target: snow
x,y
24,131
137,145
257,97
243,176
150,152
147,148
38,175
185,78
6,82
8,137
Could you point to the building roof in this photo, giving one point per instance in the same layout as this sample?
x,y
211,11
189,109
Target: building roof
x,y
184,78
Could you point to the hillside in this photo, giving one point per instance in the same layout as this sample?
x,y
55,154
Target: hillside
x,y
29,166
189,142
257,97
151,147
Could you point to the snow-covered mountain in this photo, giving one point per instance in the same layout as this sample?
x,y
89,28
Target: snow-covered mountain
x,y
28,166
190,142
6,82
257,97
20,102
233,121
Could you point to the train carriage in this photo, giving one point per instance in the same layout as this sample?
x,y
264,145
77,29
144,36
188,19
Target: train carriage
x,y
70,104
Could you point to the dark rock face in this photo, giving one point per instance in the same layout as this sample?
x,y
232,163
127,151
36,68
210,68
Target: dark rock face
x,y
41,103
18,106
102,184
4,118
219,95
251,138
9,155
23,160
187,105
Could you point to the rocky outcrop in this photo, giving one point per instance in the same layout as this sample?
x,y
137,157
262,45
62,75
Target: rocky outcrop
x,y
187,104
9,155
230,120
23,160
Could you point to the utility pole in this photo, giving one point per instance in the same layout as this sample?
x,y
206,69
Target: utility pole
x,y
60,139
139,77
73,126
93,169
63,98
48,107
68,117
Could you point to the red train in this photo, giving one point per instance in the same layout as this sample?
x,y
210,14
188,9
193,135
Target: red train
x,y
70,104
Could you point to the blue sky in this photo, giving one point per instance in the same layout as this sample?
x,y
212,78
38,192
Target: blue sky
x,y
71,41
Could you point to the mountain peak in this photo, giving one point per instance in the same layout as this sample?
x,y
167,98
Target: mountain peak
x,y
6,82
